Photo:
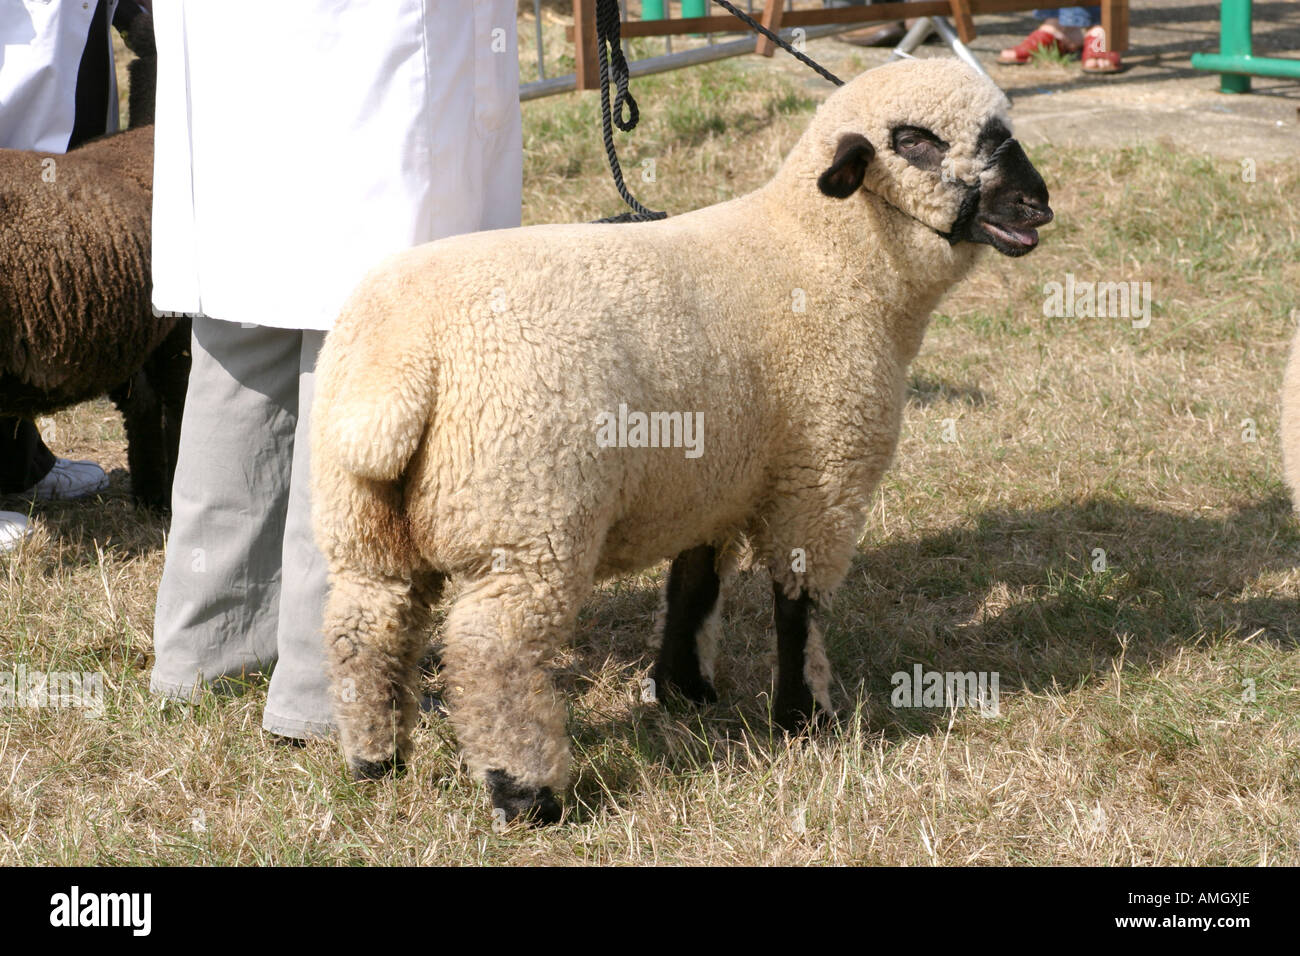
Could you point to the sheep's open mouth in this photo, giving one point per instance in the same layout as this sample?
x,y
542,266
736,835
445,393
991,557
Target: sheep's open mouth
x,y
1011,240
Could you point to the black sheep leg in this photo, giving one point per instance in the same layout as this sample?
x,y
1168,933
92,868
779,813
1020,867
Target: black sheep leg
x,y
142,418
795,707
151,402
692,594
169,371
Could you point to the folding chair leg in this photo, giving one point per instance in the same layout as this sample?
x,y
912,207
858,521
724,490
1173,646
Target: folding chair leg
x,y
922,28
960,49
914,38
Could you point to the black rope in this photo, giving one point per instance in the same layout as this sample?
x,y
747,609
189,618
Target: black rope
x,y
802,58
613,66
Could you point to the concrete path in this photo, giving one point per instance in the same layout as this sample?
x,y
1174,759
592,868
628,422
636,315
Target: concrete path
x,y
1158,98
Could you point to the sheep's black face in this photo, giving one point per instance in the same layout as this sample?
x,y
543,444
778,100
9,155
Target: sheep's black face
x,y
1010,203
1002,198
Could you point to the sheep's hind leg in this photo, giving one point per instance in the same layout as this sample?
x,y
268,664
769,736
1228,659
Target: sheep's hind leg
x,y
510,720
803,673
142,418
690,624
374,634
169,371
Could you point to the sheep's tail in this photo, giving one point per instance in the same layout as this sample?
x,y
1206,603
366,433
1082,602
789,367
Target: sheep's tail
x,y
375,390
374,397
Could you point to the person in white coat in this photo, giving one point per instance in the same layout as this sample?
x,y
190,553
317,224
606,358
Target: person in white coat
x,y
48,48
57,89
296,145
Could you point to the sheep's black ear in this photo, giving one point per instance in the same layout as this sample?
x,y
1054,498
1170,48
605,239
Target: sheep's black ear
x,y
844,175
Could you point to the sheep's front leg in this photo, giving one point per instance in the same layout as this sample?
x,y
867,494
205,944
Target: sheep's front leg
x,y
498,641
690,625
803,673
374,634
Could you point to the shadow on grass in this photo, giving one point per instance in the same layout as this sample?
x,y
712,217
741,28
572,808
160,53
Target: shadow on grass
x,y
955,600
1169,581
110,519
926,391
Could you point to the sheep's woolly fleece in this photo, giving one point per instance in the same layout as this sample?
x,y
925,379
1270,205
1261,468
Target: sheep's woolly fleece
x,y
455,421
75,317
1291,422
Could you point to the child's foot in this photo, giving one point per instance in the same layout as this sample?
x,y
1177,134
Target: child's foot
x,y
1096,58
1050,35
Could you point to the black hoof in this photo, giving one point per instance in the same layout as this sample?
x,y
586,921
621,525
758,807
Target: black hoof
x,y
377,769
692,688
535,806
801,716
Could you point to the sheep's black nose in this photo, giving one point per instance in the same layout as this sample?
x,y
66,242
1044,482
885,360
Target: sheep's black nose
x,y
1036,211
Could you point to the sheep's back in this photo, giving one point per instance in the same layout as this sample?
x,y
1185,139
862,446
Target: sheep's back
x,y
75,313
534,333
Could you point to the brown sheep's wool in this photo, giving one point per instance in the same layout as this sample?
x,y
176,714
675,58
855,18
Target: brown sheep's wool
x,y
75,315
75,318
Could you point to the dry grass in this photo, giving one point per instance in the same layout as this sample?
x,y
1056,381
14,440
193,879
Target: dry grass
x,y
1123,735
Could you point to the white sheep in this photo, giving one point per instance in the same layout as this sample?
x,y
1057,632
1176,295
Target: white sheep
x,y
468,395
1291,421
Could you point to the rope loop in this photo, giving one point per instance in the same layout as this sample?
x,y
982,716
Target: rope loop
x,y
625,113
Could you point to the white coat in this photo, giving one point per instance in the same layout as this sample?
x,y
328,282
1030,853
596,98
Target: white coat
x,y
299,143
41,42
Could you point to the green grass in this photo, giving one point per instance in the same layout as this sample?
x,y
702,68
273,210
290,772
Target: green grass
x,y
1050,56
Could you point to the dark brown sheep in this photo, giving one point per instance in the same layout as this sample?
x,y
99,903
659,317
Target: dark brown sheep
x,y
75,313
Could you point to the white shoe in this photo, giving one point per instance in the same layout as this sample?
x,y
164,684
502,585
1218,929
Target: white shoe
x,y
13,528
69,479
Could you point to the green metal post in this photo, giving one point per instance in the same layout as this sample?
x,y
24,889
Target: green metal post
x,y
652,9
1235,61
1234,40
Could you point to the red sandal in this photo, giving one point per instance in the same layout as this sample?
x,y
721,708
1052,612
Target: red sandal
x,y
1094,48
1037,40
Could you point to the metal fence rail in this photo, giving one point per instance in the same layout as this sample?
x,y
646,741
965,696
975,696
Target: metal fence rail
x,y
809,21
714,49
682,58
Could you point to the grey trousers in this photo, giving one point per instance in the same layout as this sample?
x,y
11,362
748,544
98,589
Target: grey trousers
x,y
243,586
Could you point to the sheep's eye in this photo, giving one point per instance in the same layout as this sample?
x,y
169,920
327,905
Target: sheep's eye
x,y
919,146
